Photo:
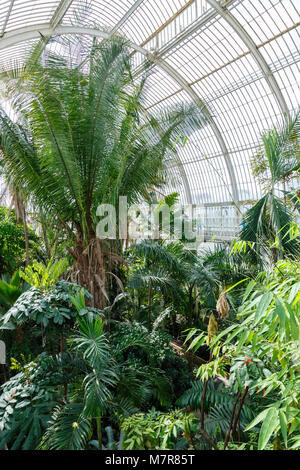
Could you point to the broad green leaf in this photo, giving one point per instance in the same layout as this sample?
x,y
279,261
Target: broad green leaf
x,y
257,420
294,291
280,312
232,287
191,333
199,339
249,289
268,427
293,324
294,425
223,333
242,340
263,306
283,426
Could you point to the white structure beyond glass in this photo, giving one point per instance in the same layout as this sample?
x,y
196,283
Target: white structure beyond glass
x,y
238,56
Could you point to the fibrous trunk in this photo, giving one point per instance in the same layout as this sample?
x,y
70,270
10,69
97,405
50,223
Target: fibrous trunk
x,y
90,270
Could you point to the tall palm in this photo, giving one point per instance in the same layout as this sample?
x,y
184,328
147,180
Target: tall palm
x,y
83,140
276,162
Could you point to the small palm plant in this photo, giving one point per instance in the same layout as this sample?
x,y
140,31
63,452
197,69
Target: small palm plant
x,y
174,272
71,424
276,162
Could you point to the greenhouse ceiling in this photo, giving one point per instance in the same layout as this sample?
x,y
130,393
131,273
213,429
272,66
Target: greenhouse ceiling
x,y
239,57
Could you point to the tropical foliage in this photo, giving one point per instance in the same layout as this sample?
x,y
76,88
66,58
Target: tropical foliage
x,y
269,220
12,242
126,344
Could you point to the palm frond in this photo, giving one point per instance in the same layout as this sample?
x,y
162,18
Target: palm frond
x,y
93,345
68,429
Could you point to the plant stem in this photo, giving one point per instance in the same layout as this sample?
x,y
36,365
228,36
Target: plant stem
x,y
149,305
203,432
202,404
99,432
228,434
239,409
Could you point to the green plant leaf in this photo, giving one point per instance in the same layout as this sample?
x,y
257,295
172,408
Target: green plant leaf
x,y
262,306
268,427
283,426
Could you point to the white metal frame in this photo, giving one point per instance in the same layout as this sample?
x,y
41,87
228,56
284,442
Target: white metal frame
x,y
7,18
60,13
23,34
248,41
218,9
126,16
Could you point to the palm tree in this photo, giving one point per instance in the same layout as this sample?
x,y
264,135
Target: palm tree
x,y
160,271
276,162
176,273
82,140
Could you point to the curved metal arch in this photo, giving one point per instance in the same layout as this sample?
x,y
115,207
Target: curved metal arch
x,y
185,85
31,32
258,57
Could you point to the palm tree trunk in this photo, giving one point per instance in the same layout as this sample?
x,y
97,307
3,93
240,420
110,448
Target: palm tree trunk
x,y
149,304
26,237
190,305
91,270
45,236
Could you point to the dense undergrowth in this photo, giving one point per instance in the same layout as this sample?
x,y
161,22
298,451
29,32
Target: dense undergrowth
x,y
84,378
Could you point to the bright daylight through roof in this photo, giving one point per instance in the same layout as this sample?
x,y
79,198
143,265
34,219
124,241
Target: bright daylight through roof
x,y
149,227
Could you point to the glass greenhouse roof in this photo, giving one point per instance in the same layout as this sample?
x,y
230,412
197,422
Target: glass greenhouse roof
x,y
239,57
